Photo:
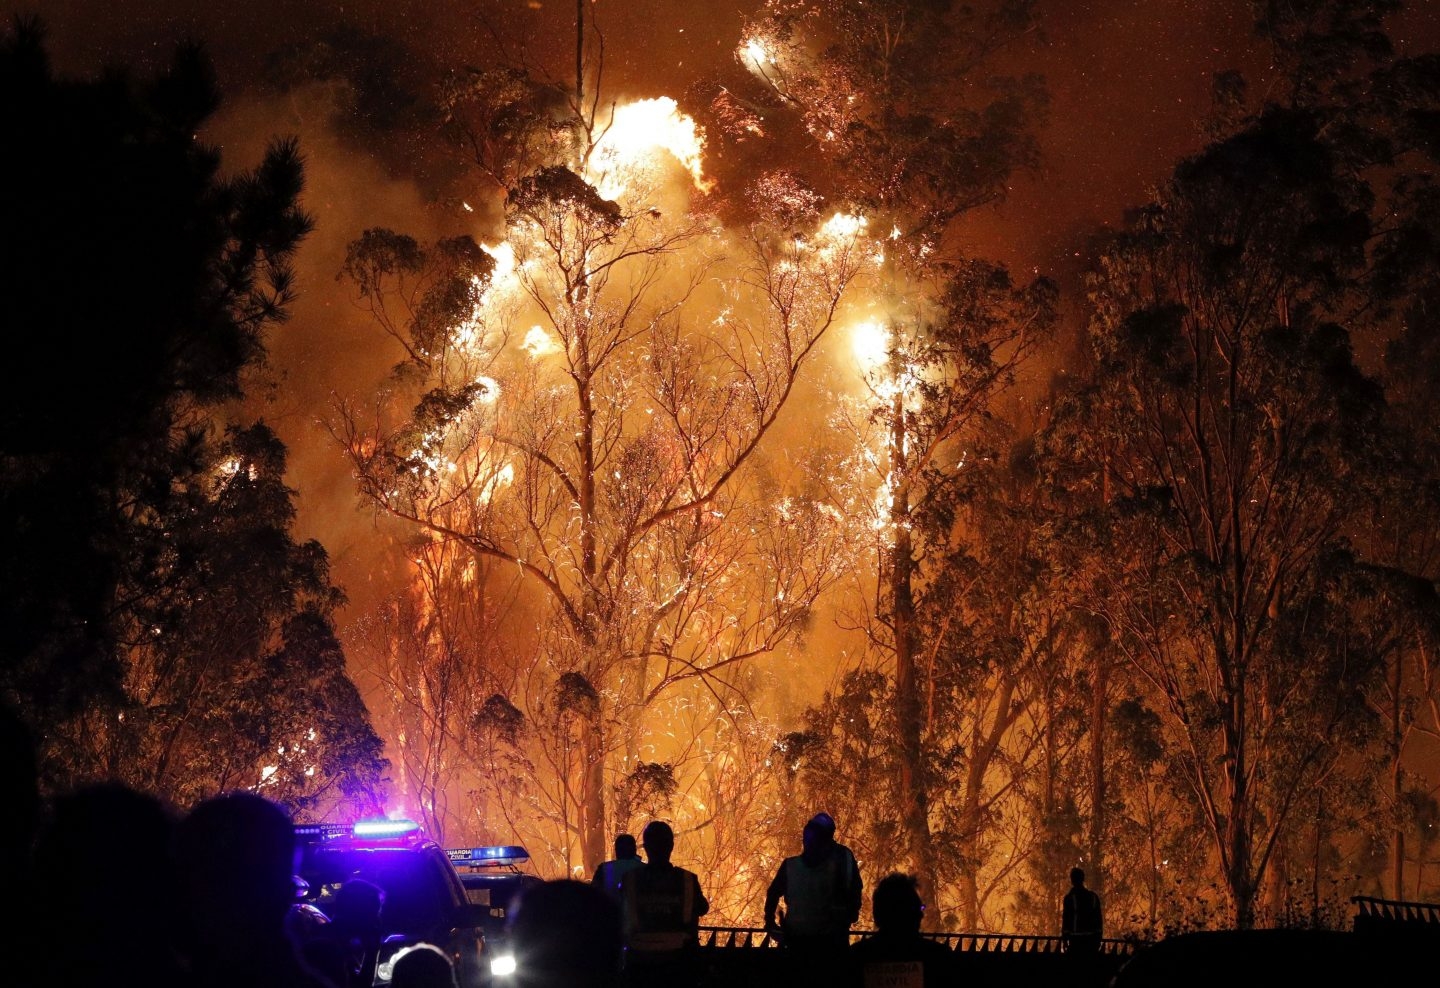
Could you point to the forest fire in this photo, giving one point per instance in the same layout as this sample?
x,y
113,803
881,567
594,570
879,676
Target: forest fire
x,y
722,476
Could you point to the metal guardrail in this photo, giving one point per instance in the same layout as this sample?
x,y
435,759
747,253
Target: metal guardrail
x,y
1014,943
1371,912
756,938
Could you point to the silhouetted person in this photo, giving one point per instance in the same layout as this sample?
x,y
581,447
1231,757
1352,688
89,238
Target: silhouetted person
x,y
237,860
897,955
821,888
1081,922
565,934
662,906
347,948
19,823
422,965
20,789
609,873
105,895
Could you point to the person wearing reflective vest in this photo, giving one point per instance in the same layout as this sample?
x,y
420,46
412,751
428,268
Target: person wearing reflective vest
x,y
822,890
661,905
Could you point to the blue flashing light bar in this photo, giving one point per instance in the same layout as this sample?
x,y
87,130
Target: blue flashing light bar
x,y
495,854
367,830
386,828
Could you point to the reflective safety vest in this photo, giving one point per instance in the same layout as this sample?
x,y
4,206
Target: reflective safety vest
x,y
1081,913
816,896
662,908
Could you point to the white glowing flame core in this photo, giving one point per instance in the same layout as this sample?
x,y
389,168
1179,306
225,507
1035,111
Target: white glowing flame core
x,y
756,52
504,256
844,226
468,334
870,342
501,479
640,129
539,342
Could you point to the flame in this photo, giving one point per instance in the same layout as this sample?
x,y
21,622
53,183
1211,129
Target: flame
x,y
539,343
638,130
844,233
755,52
505,272
470,333
844,226
492,389
499,480
870,342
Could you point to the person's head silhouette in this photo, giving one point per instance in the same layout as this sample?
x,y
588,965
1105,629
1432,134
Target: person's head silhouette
x,y
1077,877
236,855
625,846
134,904
357,907
659,842
422,965
896,905
814,841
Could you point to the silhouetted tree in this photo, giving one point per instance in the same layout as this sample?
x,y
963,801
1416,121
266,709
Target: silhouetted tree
x,y
160,624
1236,433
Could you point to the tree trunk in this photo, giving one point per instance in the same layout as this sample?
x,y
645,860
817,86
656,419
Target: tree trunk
x,y
1397,779
915,808
1238,875
1099,709
593,847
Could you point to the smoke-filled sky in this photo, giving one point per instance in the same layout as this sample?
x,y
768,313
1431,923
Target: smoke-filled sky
x,y
1129,82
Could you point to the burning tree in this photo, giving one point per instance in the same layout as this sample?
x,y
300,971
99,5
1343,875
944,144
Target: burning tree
x,y
592,400
894,109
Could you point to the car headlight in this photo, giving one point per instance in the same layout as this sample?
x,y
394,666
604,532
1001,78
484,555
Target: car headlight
x,y
502,965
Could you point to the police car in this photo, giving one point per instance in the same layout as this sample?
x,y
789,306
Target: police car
x,y
425,900
493,876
